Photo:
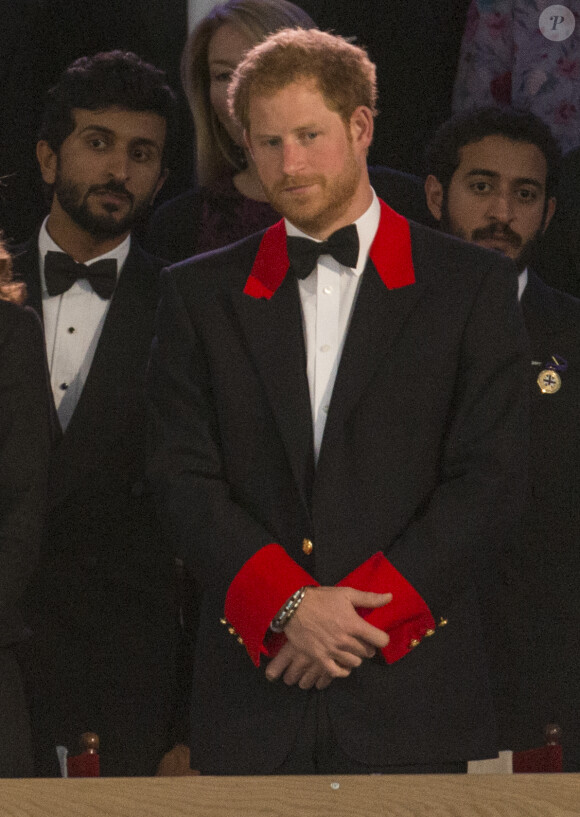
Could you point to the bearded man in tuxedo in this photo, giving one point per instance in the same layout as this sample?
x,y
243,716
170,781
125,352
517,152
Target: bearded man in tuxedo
x,y
101,607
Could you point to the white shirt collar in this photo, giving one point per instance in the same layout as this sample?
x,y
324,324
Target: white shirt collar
x,y
366,225
522,283
46,244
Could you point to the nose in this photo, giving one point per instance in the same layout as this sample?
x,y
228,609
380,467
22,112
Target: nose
x,y
292,158
118,167
500,207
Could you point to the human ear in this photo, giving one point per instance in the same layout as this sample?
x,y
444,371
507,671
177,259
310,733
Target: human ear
x,y
550,210
434,196
47,160
362,126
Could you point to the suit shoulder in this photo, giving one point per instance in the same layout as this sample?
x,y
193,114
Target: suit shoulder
x,y
146,259
439,256
24,257
224,268
568,304
547,309
20,320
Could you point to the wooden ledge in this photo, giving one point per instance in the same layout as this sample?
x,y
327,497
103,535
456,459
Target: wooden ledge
x,y
551,795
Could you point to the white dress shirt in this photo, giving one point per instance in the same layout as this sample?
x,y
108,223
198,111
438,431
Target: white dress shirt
x,y
73,323
522,283
327,297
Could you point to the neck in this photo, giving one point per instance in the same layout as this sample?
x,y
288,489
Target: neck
x,y
75,240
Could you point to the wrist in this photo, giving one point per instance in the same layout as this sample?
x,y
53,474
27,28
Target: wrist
x,y
287,611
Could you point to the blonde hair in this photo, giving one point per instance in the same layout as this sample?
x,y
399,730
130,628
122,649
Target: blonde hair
x,y
343,73
216,151
9,290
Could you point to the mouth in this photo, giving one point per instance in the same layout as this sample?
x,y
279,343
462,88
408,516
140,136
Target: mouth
x,y
498,241
297,187
297,191
113,198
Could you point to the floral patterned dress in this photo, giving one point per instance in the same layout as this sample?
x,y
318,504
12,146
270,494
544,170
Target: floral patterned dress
x,y
523,53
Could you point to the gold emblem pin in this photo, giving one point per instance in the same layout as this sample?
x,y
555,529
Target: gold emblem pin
x,y
549,381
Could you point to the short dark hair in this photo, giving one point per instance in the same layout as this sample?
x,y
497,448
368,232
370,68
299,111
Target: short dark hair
x,y
442,154
106,80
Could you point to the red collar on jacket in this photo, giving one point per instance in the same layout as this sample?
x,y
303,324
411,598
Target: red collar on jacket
x,y
390,253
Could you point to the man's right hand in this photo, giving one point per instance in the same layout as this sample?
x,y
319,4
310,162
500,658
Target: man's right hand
x,y
327,638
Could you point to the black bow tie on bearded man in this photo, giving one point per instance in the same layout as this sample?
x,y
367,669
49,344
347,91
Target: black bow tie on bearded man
x,y
61,271
303,253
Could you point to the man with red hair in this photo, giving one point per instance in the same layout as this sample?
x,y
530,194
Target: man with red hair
x,y
341,416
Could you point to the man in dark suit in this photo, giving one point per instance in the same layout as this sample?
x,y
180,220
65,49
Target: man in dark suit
x,y
101,607
38,40
335,503
493,180
24,450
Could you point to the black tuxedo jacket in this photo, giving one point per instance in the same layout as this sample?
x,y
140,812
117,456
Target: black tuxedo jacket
x,y
105,583
422,458
24,451
534,613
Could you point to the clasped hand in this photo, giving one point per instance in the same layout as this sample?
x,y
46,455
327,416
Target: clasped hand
x,y
327,638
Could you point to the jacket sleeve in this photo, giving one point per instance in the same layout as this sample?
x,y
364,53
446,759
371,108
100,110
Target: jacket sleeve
x,y
213,532
24,449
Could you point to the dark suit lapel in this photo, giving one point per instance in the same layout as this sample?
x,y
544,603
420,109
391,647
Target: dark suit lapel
x,y
541,314
378,316
126,333
273,329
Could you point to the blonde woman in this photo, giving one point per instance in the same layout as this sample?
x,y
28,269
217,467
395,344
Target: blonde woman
x,y
229,202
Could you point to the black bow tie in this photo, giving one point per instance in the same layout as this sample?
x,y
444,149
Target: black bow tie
x,y
61,271
304,253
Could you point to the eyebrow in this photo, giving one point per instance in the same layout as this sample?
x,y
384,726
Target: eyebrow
x,y
491,174
311,126
99,128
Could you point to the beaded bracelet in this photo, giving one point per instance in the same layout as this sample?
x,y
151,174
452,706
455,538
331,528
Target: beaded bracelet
x,y
286,612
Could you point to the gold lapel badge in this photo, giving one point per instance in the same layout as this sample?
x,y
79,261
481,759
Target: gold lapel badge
x,y
549,379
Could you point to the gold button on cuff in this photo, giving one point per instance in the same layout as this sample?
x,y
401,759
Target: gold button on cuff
x,y
443,622
231,631
429,633
307,547
240,640
223,621
414,643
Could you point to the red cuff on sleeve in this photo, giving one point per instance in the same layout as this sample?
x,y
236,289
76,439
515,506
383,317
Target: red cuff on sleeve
x,y
259,589
406,618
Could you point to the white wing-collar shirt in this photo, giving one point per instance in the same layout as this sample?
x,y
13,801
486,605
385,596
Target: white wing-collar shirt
x,y
522,282
73,323
327,298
